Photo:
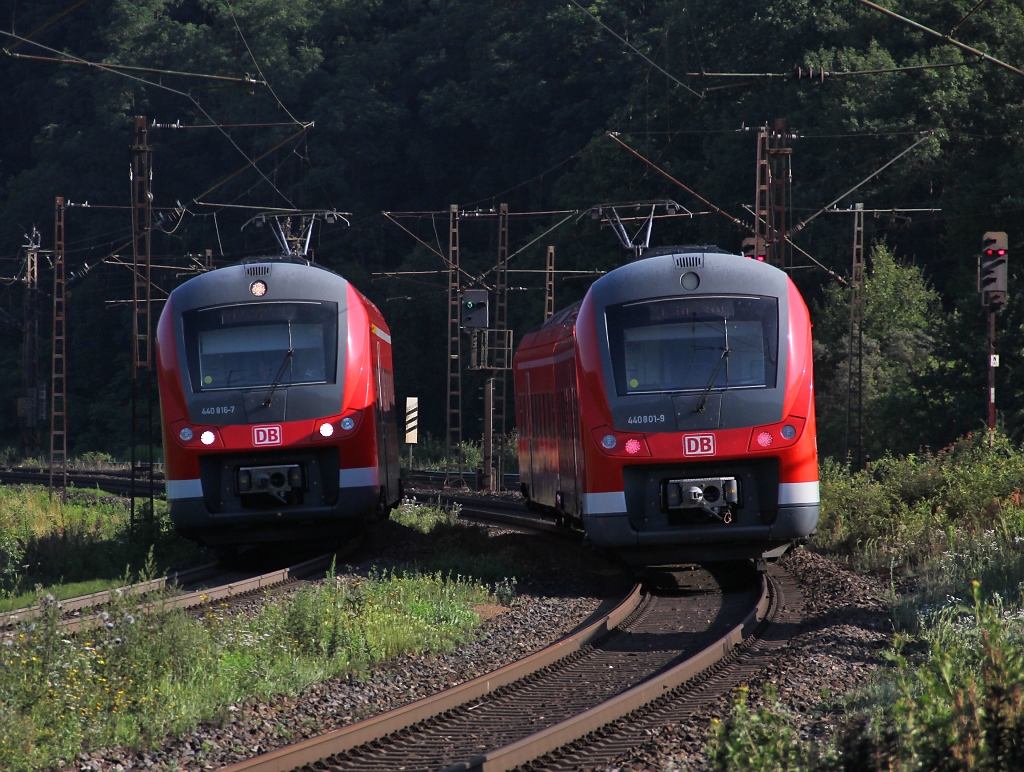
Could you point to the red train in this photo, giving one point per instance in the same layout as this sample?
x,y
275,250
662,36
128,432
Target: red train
x,y
670,413
278,405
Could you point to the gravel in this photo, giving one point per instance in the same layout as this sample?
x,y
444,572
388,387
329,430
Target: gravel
x,y
847,625
547,607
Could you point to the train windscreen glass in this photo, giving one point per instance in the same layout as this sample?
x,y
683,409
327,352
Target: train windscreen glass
x,y
261,345
692,344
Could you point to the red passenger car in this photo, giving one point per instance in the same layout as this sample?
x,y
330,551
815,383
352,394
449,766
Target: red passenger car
x,y
278,405
670,413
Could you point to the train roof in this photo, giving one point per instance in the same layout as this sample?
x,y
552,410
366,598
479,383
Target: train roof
x,y
686,249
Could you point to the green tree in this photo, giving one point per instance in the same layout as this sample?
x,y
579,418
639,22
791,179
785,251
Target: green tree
x,y
901,316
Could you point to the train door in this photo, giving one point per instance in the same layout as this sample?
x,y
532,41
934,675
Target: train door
x,y
529,430
565,431
382,428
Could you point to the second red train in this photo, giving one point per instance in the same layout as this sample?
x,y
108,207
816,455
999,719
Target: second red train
x,y
670,413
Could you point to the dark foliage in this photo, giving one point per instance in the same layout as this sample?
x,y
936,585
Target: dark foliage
x,y
419,104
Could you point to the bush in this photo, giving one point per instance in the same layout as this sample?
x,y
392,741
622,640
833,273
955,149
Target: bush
x,y
147,673
758,740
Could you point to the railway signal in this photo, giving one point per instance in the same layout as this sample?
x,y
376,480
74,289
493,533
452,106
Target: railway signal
x,y
750,250
993,287
992,282
474,308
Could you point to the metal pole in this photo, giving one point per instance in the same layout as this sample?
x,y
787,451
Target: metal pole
x,y
487,479
454,411
58,370
855,361
34,402
142,354
991,375
502,359
549,284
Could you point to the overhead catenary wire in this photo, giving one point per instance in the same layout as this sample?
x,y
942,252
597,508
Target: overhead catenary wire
x,y
64,59
716,209
168,89
803,223
636,50
256,64
944,38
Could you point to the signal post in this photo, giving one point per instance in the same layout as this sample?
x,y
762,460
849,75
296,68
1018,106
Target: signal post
x,y
992,283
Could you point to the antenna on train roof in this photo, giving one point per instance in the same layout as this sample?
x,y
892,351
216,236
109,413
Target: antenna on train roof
x,y
293,229
641,239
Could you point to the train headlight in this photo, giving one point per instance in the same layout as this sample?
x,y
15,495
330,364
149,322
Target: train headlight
x,y
326,429
347,423
258,288
609,441
186,434
777,436
207,437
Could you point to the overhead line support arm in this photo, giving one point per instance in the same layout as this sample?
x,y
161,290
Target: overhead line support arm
x,y
940,36
715,209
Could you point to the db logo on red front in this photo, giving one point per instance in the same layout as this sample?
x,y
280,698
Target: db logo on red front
x,y
698,445
266,435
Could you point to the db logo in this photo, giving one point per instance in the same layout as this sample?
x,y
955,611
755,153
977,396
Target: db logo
x,y
266,435
699,445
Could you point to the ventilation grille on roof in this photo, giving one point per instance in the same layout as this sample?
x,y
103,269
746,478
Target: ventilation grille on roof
x,y
257,270
690,261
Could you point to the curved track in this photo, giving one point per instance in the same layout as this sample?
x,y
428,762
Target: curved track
x,y
567,703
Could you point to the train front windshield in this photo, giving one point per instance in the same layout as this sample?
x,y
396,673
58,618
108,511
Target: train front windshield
x,y
260,345
692,344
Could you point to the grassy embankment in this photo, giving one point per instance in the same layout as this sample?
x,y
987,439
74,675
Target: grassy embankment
x,y
952,697
142,676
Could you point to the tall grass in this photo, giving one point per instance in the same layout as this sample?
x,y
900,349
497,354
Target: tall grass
x,y
430,454
146,674
953,695
947,518
88,538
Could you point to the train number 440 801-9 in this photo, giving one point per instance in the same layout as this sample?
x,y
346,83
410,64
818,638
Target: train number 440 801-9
x,y
647,419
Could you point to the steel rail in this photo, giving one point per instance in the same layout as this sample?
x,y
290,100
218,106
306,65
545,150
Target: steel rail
x,y
554,737
206,596
186,600
79,602
308,753
368,730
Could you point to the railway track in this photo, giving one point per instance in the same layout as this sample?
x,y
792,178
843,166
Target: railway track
x,y
120,483
83,612
115,483
488,509
585,697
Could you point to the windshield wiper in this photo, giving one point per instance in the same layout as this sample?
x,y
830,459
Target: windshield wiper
x,y
277,378
714,373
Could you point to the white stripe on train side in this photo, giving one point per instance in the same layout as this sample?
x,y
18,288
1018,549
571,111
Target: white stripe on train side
x,y
184,489
798,493
358,478
604,503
